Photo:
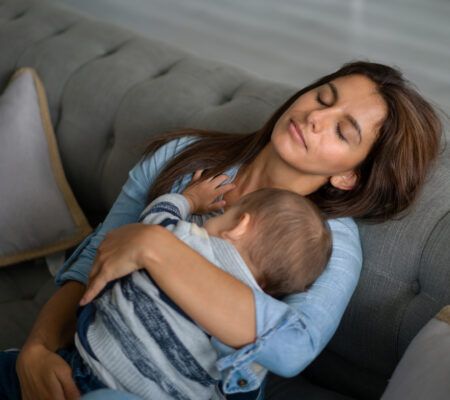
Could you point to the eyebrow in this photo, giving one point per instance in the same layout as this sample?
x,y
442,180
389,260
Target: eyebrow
x,y
352,120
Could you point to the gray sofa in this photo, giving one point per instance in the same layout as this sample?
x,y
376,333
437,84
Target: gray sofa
x,y
109,90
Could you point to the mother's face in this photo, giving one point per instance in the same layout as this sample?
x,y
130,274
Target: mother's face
x,y
329,130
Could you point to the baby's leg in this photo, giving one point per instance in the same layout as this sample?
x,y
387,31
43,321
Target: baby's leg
x,y
9,382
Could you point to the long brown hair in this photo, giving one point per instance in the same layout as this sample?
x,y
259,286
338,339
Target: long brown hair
x,y
389,177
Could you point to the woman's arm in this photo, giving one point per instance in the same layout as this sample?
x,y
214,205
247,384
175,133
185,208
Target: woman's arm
x,y
42,373
220,303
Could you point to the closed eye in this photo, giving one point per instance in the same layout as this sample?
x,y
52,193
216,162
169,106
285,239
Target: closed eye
x,y
339,133
321,102
338,127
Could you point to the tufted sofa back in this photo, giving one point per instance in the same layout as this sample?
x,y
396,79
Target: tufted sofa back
x,y
109,91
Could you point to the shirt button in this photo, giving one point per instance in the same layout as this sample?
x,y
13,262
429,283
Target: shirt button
x,y
242,382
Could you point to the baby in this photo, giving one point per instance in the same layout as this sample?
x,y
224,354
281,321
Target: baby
x,y
133,337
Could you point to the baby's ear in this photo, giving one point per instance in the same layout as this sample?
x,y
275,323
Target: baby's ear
x,y
240,228
345,181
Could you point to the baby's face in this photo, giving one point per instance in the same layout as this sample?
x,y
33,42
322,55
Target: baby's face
x,y
216,225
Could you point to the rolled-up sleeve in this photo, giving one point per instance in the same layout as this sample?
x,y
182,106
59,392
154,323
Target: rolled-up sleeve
x,y
125,210
292,332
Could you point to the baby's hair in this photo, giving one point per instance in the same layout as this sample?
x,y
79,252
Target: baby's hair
x,y
289,242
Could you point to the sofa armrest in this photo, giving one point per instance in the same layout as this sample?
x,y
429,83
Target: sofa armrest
x,y
424,370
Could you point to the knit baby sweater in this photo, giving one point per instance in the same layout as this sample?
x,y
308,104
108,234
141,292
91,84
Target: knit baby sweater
x,y
133,336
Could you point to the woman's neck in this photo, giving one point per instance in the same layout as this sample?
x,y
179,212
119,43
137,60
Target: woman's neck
x,y
268,170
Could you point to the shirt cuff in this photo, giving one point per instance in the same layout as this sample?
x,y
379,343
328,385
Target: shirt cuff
x,y
81,272
237,366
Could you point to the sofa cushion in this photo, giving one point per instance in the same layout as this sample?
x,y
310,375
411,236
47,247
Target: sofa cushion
x,y
24,289
424,370
39,214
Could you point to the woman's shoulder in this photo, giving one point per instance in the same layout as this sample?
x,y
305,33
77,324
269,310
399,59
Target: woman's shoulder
x,y
346,238
345,232
343,223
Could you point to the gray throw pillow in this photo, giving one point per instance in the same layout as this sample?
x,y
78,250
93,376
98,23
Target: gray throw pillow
x,y
39,214
424,370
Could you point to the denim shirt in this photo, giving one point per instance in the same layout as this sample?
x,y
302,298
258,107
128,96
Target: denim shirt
x,y
290,333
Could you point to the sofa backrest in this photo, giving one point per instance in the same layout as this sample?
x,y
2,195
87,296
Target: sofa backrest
x,y
110,90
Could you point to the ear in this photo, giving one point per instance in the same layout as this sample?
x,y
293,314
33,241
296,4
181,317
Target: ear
x,y
239,229
345,181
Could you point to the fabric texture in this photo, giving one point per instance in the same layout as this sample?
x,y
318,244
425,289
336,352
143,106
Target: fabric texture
x,y
39,214
424,370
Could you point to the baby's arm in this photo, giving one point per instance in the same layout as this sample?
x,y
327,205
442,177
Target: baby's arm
x,y
198,197
203,195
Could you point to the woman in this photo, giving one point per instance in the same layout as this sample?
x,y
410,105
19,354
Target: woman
x,y
358,142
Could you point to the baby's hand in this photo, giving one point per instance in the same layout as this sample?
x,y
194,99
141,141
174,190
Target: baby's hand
x,y
202,196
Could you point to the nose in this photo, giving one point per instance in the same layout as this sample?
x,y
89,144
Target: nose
x,y
320,119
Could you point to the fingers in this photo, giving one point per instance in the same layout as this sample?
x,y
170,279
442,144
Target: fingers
x,y
97,281
55,388
95,268
218,205
219,179
95,286
197,175
225,188
68,385
214,181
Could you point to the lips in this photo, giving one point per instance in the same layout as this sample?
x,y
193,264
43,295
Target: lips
x,y
297,133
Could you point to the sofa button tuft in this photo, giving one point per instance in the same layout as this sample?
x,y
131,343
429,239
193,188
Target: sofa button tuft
x,y
415,287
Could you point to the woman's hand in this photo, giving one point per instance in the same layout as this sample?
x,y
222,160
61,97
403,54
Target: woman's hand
x,y
44,375
122,252
203,195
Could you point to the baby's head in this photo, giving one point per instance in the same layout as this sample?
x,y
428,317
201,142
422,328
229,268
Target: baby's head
x,y
282,237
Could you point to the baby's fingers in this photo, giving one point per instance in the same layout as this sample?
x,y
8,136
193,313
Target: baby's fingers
x,y
197,175
217,205
221,190
219,179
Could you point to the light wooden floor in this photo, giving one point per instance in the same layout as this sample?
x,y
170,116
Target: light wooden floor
x,y
296,41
